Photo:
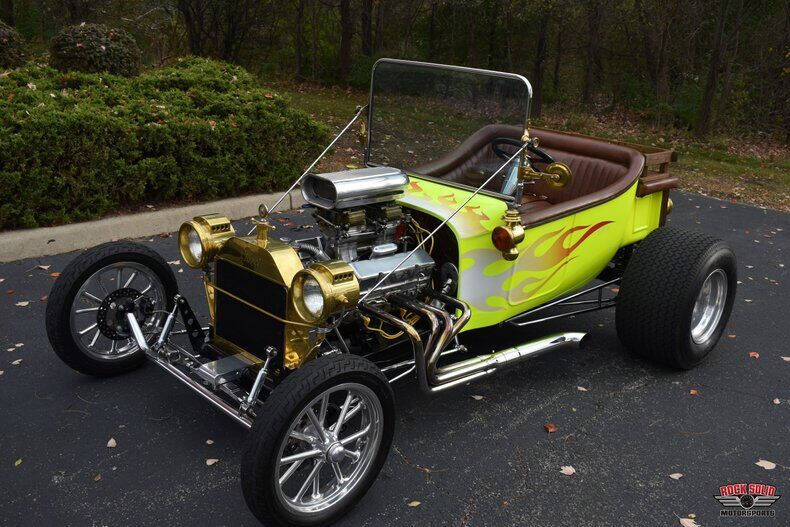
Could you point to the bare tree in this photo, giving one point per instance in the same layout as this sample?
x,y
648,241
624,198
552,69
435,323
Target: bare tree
x,y
704,117
594,15
540,63
346,34
366,33
299,38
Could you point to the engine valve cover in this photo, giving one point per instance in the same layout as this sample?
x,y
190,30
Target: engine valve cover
x,y
414,274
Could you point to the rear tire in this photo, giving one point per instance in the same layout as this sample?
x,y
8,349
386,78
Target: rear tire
x,y
105,261
282,429
676,296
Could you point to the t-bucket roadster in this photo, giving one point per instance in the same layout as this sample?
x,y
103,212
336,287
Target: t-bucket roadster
x,y
463,218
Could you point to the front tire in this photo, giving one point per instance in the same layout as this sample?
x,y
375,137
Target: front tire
x,y
676,296
85,328
298,466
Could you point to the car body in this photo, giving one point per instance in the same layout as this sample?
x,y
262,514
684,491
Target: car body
x,y
463,218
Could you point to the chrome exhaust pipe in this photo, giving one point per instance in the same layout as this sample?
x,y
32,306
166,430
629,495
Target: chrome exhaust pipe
x,y
433,379
487,364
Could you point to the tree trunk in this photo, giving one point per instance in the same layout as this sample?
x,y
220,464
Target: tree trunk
x,y
299,39
557,61
432,30
493,15
540,66
379,42
346,33
703,119
594,14
314,41
194,20
7,12
366,19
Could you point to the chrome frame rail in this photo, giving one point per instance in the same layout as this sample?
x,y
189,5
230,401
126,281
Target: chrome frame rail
x,y
600,303
161,353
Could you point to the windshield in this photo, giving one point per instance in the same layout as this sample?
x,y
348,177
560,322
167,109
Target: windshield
x,y
440,121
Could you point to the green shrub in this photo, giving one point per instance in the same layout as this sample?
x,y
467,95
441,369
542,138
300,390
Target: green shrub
x,y
12,47
94,48
77,146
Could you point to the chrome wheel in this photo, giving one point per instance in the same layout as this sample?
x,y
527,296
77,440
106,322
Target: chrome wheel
x,y
95,328
329,448
709,306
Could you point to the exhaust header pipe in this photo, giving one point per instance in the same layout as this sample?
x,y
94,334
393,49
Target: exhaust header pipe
x,y
433,378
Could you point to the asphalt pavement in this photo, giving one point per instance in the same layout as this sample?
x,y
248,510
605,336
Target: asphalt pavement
x,y
477,456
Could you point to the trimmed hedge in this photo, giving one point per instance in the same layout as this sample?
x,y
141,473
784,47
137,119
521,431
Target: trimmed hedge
x,y
12,48
95,48
78,146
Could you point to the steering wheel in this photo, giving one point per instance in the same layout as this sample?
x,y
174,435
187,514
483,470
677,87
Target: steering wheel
x,y
504,156
511,180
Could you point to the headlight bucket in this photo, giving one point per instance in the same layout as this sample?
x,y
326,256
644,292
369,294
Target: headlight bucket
x,y
337,282
211,231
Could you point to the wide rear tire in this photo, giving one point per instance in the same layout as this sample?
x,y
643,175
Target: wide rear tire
x,y
676,296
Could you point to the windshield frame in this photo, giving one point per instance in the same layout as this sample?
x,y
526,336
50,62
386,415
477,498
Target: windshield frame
x,y
464,69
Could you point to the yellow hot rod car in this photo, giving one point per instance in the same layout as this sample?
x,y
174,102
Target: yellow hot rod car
x,y
463,218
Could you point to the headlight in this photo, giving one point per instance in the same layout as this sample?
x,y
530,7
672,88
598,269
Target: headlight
x,y
194,245
201,238
323,289
312,297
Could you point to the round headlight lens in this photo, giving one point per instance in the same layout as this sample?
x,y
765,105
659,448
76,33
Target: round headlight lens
x,y
194,245
312,296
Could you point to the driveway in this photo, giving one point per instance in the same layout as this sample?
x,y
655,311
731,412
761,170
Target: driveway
x,y
478,455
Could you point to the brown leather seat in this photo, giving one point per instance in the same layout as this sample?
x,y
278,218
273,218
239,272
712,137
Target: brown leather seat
x,y
601,170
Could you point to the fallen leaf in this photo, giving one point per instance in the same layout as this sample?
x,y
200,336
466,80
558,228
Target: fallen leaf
x,y
676,475
777,401
44,298
414,503
16,362
43,267
581,388
54,275
550,427
731,335
764,463
209,441
693,392
754,355
268,95
688,522
211,461
112,443
97,477
478,397
18,462
9,291
568,470
19,344
23,303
